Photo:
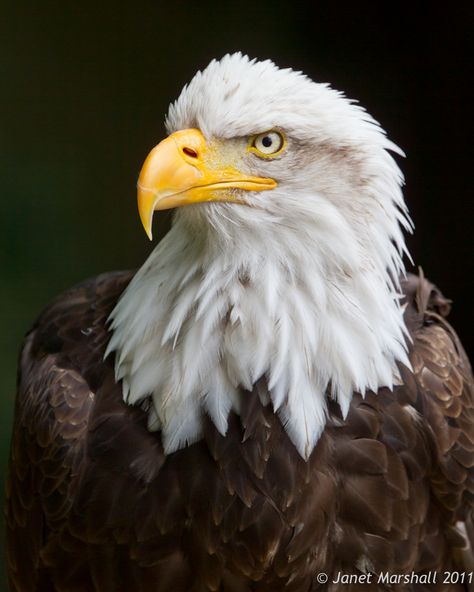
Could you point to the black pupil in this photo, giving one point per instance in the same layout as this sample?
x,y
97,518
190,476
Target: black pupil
x,y
267,141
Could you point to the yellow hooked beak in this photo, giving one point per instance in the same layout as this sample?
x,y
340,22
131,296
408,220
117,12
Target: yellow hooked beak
x,y
176,173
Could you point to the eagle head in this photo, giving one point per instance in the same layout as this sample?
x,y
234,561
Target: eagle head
x,y
282,263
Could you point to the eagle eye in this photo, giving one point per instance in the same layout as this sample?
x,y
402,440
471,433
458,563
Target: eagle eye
x,y
268,144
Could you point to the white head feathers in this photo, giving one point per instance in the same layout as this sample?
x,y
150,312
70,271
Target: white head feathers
x,y
300,288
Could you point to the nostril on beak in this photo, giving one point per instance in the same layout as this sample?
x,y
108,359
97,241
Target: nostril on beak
x,y
190,152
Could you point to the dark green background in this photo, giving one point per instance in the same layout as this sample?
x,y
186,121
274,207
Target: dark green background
x,y
84,88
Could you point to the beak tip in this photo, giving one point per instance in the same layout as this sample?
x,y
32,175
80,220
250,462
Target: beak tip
x,y
146,218
147,227
148,230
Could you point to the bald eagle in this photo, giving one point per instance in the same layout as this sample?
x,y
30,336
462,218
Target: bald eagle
x,y
270,402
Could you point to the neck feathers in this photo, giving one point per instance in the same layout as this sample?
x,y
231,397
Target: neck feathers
x,y
205,318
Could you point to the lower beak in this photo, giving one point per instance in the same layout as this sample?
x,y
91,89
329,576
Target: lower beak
x,y
175,174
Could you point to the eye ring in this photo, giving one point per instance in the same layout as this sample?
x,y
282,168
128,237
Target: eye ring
x,y
268,144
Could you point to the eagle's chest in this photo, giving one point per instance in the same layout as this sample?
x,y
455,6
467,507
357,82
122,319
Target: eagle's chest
x,y
247,497
246,503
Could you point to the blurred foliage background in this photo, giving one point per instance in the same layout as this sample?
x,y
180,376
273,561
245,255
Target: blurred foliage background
x,y
84,90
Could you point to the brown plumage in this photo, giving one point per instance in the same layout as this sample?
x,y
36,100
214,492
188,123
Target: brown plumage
x,y
94,504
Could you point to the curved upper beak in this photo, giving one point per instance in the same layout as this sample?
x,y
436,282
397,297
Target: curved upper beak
x,y
175,174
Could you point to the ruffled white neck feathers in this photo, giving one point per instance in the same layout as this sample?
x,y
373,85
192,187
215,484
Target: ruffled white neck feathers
x,y
203,320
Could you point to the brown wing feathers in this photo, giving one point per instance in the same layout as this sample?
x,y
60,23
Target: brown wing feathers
x,y
94,504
